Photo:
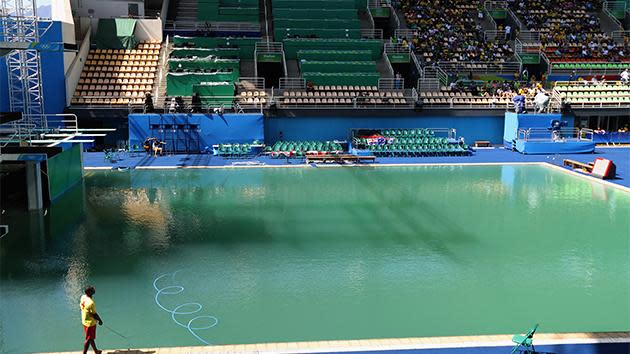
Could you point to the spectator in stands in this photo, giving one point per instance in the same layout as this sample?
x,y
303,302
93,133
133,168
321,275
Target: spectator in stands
x,y
180,104
148,103
173,107
309,86
519,102
157,148
525,75
446,30
625,76
398,82
196,103
541,100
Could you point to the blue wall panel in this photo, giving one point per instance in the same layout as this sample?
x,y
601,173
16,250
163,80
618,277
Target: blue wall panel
x,y
53,77
329,128
4,94
213,128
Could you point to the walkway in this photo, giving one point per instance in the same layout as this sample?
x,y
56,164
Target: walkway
x,y
96,160
574,343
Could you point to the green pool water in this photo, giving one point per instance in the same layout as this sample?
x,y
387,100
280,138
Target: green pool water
x,y
300,254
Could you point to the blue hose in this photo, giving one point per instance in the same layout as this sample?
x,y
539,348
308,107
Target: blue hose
x,y
189,308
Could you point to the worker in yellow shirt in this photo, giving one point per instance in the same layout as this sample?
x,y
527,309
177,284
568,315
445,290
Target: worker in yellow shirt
x,y
89,319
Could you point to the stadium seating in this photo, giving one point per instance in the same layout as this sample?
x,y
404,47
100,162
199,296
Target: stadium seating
x,y
610,94
301,148
118,76
409,143
569,29
344,96
447,31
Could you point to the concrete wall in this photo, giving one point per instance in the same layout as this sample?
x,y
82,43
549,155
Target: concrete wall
x,y
105,8
483,127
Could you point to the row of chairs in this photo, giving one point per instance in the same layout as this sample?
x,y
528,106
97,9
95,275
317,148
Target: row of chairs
x,y
304,146
595,94
119,81
132,62
115,87
344,88
344,94
403,150
105,101
122,69
407,141
342,101
252,100
110,57
109,94
234,150
411,133
445,93
119,75
253,93
592,87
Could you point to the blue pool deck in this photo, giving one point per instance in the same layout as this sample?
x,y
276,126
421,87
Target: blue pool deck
x,y
619,155
558,343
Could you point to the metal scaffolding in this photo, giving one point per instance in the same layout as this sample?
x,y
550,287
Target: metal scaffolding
x,y
20,26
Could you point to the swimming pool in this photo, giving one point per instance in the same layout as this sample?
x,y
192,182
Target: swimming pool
x,y
296,254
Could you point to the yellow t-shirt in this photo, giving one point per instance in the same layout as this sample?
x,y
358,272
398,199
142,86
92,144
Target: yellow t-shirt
x,y
88,307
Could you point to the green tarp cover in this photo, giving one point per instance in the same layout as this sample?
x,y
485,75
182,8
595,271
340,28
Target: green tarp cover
x,y
338,66
283,33
203,53
293,45
361,79
204,63
319,4
334,55
181,84
244,46
215,93
215,10
212,42
116,33
317,23
315,13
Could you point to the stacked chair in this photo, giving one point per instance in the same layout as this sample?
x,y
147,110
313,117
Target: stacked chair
x,y
301,148
413,143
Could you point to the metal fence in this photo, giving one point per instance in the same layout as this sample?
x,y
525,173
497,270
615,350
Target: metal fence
x,y
292,83
562,134
480,67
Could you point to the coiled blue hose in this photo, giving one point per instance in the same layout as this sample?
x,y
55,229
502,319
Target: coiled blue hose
x,y
188,308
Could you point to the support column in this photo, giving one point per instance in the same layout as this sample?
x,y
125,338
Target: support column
x,y
34,185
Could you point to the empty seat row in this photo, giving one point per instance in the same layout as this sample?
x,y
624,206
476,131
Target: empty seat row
x,y
127,94
137,62
118,75
122,69
342,101
119,81
115,87
344,94
106,101
255,93
344,88
151,57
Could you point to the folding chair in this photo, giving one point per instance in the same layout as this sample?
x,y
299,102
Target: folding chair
x,y
525,343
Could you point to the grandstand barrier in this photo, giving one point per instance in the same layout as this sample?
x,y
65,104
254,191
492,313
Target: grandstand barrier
x,y
342,78
319,4
203,64
283,33
194,132
457,67
314,13
293,45
472,125
317,23
587,68
338,66
335,55
226,53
